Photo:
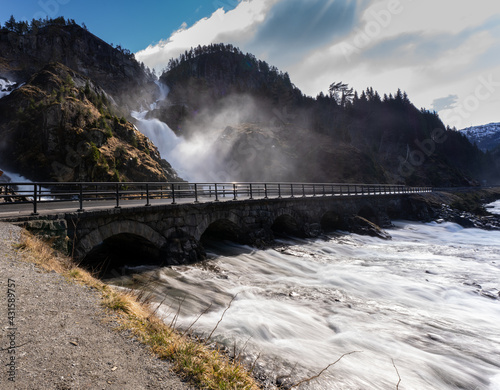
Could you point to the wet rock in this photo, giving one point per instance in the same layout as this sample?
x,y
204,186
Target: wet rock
x,y
360,225
313,230
464,221
489,294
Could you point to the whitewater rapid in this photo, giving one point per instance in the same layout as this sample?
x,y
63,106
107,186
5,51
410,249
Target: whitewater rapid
x,y
426,302
494,207
6,87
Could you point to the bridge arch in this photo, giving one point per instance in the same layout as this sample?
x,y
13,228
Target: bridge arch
x,y
117,240
288,222
224,229
331,220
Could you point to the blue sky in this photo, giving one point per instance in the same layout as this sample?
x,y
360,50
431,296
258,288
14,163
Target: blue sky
x,y
132,24
444,53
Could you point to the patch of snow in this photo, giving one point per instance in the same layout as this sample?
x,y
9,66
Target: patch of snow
x,y
486,137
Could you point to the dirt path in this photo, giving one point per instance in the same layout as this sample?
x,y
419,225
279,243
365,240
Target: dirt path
x,y
62,336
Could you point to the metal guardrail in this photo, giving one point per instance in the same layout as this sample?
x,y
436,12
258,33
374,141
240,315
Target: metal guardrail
x,y
83,192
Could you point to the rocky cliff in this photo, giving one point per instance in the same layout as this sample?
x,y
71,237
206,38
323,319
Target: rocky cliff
x,y
64,104
115,70
60,126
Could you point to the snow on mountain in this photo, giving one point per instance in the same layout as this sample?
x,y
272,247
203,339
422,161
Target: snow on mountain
x,y
487,137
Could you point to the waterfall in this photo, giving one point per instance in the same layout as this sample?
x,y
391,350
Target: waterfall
x,y
6,87
192,158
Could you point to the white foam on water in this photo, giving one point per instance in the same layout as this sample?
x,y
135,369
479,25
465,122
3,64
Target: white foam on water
x,y
427,300
494,207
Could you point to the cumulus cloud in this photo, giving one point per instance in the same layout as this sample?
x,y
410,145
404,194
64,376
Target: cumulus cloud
x,y
236,26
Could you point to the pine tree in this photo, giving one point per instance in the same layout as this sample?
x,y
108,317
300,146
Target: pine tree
x,y
11,23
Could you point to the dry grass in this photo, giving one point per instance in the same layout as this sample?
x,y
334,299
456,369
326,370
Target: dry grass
x,y
194,361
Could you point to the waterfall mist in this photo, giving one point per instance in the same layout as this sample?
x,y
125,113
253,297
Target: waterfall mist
x,y
234,141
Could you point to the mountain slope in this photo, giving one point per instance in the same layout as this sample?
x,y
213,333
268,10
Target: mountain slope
x,y
65,95
342,136
238,118
24,52
59,126
487,137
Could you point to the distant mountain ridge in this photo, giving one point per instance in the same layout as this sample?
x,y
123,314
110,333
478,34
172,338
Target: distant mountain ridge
x,y
486,137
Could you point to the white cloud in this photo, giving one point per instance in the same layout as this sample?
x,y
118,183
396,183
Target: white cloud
x,y
237,25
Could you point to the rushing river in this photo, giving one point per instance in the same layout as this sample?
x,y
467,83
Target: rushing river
x,y
425,302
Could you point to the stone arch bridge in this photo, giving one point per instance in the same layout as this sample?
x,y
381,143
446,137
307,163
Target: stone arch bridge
x,y
168,223
174,234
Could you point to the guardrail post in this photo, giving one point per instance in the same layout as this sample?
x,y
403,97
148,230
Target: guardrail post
x,y
216,194
291,191
117,196
172,188
324,193
147,195
279,190
234,191
340,190
251,194
314,190
196,193
80,198
265,190
303,190
35,211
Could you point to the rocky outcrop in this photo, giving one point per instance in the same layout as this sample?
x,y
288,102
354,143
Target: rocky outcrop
x,y
362,226
114,70
464,207
60,126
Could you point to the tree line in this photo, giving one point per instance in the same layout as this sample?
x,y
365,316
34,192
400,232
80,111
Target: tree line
x,y
23,27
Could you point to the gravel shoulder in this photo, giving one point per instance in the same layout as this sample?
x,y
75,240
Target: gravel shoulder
x,y
64,339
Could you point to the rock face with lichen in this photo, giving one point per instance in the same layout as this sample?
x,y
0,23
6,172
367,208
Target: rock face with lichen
x,y
60,126
115,70
65,119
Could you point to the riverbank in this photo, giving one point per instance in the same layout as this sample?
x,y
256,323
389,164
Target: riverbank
x,y
465,207
68,330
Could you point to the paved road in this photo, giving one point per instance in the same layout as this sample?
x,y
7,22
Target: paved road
x,y
9,211
18,210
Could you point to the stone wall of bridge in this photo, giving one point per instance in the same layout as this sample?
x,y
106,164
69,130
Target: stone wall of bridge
x,y
175,234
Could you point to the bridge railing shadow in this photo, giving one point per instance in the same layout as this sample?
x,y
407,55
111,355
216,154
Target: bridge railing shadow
x,y
76,195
